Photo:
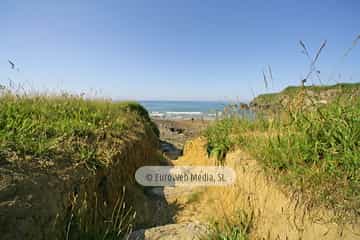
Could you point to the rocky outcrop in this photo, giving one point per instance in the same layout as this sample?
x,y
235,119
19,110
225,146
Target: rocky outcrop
x,y
179,231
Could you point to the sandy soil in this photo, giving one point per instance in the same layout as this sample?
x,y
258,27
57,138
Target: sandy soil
x,y
270,211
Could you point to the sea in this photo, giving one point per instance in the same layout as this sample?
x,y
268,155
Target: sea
x,y
184,109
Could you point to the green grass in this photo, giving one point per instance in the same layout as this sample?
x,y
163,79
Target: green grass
x,y
311,149
238,228
65,127
232,233
223,135
218,136
41,129
119,224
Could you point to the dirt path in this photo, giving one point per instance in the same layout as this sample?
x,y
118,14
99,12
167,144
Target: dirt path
x,y
183,230
255,197
256,202
173,136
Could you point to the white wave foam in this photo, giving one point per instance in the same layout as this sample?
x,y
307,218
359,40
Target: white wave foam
x,y
184,113
157,114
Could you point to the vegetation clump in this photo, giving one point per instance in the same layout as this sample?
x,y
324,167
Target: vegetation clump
x,y
313,149
88,144
232,229
41,127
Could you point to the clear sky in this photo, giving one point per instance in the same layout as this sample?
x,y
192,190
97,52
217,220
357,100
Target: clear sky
x,y
175,49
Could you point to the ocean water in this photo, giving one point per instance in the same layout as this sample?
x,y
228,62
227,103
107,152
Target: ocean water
x,y
184,109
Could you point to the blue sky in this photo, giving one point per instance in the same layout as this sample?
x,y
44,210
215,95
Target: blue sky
x,y
181,50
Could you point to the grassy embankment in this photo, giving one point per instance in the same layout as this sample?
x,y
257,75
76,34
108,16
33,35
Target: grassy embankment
x,y
54,128
320,92
312,149
46,130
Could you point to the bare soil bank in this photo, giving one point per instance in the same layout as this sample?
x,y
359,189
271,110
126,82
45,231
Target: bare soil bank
x,y
50,200
277,213
273,212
